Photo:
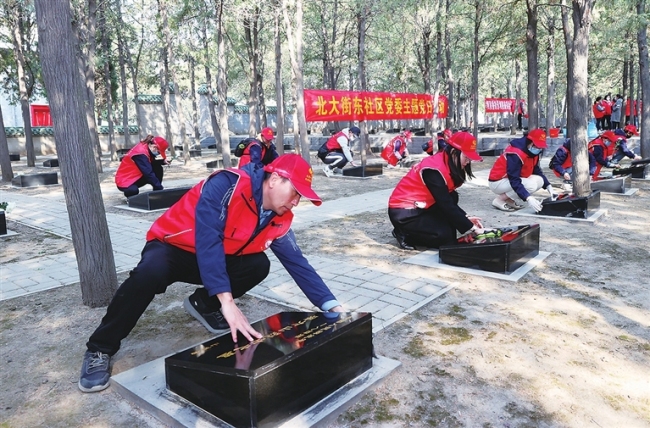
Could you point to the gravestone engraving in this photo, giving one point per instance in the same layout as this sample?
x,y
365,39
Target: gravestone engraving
x,y
157,199
301,358
505,251
361,171
34,180
51,163
612,185
569,205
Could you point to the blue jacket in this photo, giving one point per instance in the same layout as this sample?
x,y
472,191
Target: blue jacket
x,y
211,215
513,168
561,156
621,146
146,169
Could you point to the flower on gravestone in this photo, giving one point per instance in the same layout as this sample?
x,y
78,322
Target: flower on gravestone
x,y
7,206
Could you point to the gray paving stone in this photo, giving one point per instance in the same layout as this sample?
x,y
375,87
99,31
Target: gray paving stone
x,y
365,274
397,301
378,287
363,291
406,295
358,301
388,312
347,280
373,306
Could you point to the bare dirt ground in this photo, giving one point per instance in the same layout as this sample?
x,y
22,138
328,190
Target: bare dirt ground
x,y
566,346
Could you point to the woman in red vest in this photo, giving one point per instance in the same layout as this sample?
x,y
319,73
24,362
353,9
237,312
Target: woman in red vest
x,y
396,149
599,112
423,208
140,166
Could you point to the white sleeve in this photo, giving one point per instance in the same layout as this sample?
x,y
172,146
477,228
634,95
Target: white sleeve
x,y
345,146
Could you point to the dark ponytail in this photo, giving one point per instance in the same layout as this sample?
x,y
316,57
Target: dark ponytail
x,y
458,173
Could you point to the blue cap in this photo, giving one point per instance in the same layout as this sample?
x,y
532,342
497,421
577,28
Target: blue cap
x,y
620,132
355,130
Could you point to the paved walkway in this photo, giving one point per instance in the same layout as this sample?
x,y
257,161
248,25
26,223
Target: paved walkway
x,y
389,294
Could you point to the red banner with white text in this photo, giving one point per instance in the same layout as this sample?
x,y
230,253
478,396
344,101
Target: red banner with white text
x,y
500,105
326,105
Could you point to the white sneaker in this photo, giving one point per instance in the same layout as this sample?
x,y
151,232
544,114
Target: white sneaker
x,y
328,172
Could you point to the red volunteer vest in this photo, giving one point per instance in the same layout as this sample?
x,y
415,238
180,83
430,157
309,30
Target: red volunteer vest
x,y
246,156
607,151
332,144
177,225
500,168
128,172
389,151
567,162
411,188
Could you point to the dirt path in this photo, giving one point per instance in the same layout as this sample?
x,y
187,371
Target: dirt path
x,y
568,345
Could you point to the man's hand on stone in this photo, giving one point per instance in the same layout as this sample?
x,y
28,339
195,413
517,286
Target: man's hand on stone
x,y
236,319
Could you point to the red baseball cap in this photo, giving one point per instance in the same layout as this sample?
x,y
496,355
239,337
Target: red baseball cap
x,y
267,133
538,137
294,168
466,143
609,135
631,129
162,145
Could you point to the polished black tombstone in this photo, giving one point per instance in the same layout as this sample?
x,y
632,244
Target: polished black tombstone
x,y
34,180
215,164
636,171
122,152
569,205
504,254
645,161
3,223
51,163
612,185
157,199
301,358
14,157
360,171
492,152
195,153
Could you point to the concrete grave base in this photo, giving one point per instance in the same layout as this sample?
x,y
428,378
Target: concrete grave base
x,y
144,387
591,218
430,258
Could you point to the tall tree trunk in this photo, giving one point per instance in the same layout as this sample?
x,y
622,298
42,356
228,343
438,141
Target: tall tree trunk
x,y
88,225
436,84
107,80
550,75
295,53
478,4
362,19
208,83
19,53
172,73
132,68
513,124
279,96
125,99
250,27
644,74
451,100
195,110
577,93
222,87
5,162
532,53
632,96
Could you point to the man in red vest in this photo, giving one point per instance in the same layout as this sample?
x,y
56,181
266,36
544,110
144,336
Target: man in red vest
x,y
396,149
259,151
335,152
516,174
214,236
140,166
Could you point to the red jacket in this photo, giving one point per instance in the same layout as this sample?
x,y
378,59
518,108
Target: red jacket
x,y
599,110
500,168
606,152
128,172
177,225
608,107
389,151
332,144
411,188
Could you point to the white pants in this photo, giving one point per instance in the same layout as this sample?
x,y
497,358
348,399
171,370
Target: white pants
x,y
532,185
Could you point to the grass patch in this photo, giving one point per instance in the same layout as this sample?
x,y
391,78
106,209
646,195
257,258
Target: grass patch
x,y
415,348
491,335
454,335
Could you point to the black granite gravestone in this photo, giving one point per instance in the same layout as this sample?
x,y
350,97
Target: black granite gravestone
x,y
636,171
645,161
3,223
612,185
51,163
34,180
157,199
14,157
569,205
195,153
215,164
491,152
122,152
505,253
360,171
301,358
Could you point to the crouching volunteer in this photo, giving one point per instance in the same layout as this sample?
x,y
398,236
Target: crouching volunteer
x,y
516,174
396,149
423,208
140,167
335,152
214,236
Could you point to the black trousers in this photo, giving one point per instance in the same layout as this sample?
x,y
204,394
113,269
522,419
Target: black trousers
x,y
161,265
134,189
424,228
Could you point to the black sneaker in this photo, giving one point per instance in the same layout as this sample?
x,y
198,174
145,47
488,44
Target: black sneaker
x,y
401,241
211,319
95,372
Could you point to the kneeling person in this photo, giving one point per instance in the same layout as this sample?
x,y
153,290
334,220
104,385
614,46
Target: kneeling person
x,y
215,236
140,167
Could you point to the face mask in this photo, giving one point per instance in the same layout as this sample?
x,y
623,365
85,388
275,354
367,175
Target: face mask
x,y
154,149
535,150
